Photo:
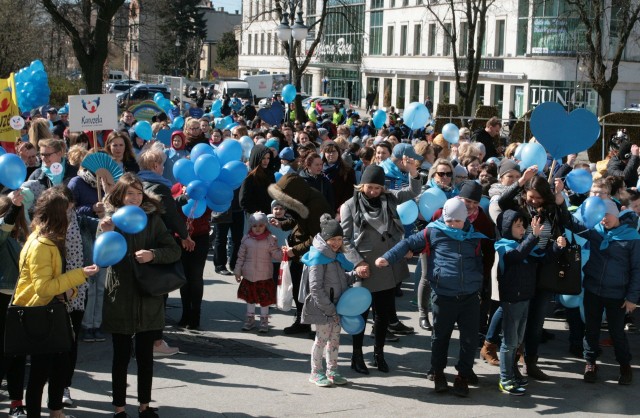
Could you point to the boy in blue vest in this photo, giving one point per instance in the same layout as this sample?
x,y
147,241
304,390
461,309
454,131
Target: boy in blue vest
x,y
453,249
517,268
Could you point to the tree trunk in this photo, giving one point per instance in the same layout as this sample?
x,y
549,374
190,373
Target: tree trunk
x,y
301,115
604,105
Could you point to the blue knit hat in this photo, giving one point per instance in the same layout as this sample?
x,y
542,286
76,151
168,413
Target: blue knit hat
x,y
287,154
273,143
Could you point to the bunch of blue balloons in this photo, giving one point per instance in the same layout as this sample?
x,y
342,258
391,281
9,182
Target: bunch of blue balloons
x,y
353,302
111,247
165,104
211,175
32,86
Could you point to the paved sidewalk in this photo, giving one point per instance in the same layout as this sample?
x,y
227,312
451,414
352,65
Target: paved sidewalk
x,y
222,371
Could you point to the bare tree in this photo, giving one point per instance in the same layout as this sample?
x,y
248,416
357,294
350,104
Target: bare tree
x,y
449,15
607,28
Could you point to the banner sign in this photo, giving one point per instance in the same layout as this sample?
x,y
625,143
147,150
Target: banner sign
x,y
8,110
93,112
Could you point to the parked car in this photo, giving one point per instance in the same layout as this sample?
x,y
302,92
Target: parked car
x,y
123,85
327,103
266,102
141,92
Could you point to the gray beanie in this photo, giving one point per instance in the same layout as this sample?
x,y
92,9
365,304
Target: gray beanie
x,y
612,208
329,227
258,218
454,210
507,165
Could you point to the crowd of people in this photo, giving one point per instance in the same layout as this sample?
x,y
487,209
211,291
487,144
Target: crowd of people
x,y
324,194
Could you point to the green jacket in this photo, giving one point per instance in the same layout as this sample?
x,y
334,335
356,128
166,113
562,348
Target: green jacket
x,y
126,311
9,254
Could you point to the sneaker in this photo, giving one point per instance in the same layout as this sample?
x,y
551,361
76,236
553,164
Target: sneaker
x,y
99,336
264,325
461,386
440,382
630,327
320,379
148,413
66,397
223,271
511,388
336,378
400,329
164,350
590,373
89,336
17,412
249,323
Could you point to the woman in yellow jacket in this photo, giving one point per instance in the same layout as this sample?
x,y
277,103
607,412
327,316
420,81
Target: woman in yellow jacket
x,y
41,279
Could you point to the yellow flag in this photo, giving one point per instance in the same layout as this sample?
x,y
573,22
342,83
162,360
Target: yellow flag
x,y
8,109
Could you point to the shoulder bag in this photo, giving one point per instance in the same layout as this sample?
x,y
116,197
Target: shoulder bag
x,y
564,276
158,279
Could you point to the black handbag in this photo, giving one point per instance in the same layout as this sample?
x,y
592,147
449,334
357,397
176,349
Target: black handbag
x,y
563,277
158,279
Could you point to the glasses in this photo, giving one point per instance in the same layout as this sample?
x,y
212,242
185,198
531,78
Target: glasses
x,y
235,135
308,127
47,155
444,173
195,128
599,193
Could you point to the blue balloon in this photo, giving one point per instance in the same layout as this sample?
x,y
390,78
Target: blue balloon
x,y
430,201
379,118
130,219
533,154
216,105
451,133
592,211
354,301
110,247
229,150
408,212
494,160
247,145
183,171
232,125
484,204
207,167
416,116
289,93
143,130
2,151
218,208
36,65
571,301
579,180
201,149
518,152
158,97
194,208
13,172
278,176
178,122
219,193
352,325
233,173
197,190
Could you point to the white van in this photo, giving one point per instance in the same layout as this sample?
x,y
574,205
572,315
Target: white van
x,y
238,87
115,75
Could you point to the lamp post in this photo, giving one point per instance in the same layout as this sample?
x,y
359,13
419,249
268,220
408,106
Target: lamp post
x,y
177,58
288,33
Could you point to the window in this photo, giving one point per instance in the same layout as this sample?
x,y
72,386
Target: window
x,y
375,31
249,44
310,13
499,49
255,44
498,92
523,27
445,88
430,89
392,3
262,44
414,91
464,39
432,40
390,33
417,37
377,4
250,10
446,47
405,3
403,40
268,44
401,93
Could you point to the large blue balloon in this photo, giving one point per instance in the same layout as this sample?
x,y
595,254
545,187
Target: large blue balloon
x,y
518,152
219,193
592,211
289,93
354,301
194,208
408,212
571,301
197,190
218,208
430,201
379,118
533,154
229,150
201,149
130,219
143,130
579,180
13,172
183,171
224,122
157,97
416,115
207,167
451,133
233,173
352,325
110,247
178,122
247,145
2,151
216,105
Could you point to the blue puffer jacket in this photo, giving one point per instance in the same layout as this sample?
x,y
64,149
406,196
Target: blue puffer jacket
x,y
456,261
613,270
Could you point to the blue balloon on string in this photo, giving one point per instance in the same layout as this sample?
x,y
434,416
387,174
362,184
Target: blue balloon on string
x,y
207,167
143,130
354,301
194,209
178,122
13,172
533,154
416,115
451,133
197,189
110,247
219,193
289,93
579,180
183,171
352,325
201,149
229,150
592,211
430,201
379,118
233,173
571,301
408,212
218,208
130,219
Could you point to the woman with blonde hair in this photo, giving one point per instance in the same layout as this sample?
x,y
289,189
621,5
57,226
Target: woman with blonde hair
x,y
38,131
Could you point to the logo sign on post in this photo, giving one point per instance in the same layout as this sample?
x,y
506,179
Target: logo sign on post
x,y
93,112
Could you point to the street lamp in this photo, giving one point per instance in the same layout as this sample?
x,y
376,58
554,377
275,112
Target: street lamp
x,y
297,32
177,57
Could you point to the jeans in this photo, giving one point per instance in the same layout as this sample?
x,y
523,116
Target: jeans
x,y
220,252
535,322
424,288
447,311
495,326
122,347
594,306
576,327
514,322
193,263
95,298
382,303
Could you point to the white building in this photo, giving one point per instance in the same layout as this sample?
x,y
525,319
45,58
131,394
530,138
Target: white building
x,y
397,49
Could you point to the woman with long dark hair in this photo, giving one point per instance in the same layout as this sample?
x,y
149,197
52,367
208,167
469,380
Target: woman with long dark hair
x,y
314,176
342,177
253,192
118,146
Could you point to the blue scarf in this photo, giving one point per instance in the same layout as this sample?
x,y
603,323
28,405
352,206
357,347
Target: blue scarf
x,y
151,177
454,233
392,171
315,257
452,192
55,178
621,233
504,245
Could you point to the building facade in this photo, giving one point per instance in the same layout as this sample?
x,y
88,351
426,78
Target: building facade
x,y
400,51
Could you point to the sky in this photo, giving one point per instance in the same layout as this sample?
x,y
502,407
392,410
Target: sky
x,y
229,5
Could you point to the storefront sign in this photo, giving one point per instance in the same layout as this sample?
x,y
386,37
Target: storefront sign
x,y
340,47
567,97
486,64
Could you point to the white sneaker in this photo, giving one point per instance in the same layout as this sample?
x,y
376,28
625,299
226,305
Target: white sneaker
x,y
66,397
163,350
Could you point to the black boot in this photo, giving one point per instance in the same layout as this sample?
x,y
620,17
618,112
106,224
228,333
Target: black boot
x,y
194,320
297,327
357,362
378,360
184,320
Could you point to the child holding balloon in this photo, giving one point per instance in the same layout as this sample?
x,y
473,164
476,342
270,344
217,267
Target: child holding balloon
x,y
323,282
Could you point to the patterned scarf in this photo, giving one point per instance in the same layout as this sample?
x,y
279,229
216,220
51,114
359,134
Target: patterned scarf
x,y
75,259
88,178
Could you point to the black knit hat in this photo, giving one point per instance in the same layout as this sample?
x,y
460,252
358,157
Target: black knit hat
x,y
329,227
373,174
471,189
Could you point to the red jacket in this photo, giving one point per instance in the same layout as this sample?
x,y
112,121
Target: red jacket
x,y
196,227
